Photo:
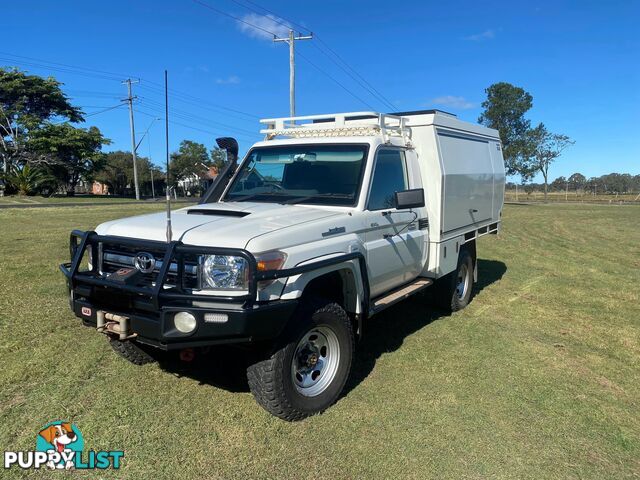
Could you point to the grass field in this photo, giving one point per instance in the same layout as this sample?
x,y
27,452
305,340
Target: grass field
x,y
78,199
538,378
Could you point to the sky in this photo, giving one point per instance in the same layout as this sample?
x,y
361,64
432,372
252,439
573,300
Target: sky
x,y
580,60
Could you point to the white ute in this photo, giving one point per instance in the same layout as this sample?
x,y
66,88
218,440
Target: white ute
x,y
328,221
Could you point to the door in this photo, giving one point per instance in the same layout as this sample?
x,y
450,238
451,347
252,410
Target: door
x,y
395,245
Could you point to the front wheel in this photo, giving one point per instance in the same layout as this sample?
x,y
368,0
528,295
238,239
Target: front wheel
x,y
308,370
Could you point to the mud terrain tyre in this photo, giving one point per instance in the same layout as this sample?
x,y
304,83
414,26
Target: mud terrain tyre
x,y
132,351
306,371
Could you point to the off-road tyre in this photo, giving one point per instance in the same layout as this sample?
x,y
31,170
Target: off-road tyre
x,y
132,351
271,380
447,288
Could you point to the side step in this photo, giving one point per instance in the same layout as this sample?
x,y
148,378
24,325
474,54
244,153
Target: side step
x,y
399,294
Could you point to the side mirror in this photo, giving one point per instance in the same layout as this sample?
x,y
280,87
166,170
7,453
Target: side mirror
x,y
229,144
410,199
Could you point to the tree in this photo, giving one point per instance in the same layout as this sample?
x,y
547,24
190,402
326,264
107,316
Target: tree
x,y
188,160
70,153
577,181
218,158
117,172
543,148
504,110
26,103
27,180
559,184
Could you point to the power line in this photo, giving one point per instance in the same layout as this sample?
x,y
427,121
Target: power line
x,y
153,113
190,99
91,114
335,81
103,111
289,23
87,72
338,60
64,67
275,35
222,12
356,76
189,116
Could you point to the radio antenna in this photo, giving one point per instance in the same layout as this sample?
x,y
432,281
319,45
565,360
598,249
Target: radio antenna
x,y
166,135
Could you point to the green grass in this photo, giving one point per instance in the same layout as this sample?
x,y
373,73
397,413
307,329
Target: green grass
x,y
38,200
538,378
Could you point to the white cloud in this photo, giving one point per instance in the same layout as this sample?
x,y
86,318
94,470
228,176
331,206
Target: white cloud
x,y
268,23
230,80
478,37
451,101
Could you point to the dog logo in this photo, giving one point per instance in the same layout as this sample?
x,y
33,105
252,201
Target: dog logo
x,y
60,446
61,437
145,262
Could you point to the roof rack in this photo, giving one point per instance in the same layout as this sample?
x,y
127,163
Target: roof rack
x,y
338,125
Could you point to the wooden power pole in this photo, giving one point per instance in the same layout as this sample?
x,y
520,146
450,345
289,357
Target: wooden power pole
x,y
130,98
291,40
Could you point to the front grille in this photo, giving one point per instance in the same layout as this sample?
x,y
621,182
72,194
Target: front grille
x,y
114,257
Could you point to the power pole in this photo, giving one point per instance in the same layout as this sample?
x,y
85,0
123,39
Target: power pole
x,y
291,40
153,189
130,100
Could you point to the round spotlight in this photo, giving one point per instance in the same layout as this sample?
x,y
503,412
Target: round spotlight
x,y
184,322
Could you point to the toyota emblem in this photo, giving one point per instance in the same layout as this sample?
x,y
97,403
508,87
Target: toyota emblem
x,y
145,262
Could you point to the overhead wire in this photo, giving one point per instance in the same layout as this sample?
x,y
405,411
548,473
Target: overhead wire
x,y
333,56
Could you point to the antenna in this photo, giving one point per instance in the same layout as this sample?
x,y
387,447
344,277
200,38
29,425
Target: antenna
x,y
166,135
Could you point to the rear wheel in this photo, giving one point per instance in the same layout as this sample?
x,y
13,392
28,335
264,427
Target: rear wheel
x,y
308,370
454,290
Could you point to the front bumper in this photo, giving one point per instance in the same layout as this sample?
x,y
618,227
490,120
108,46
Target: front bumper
x,y
149,305
242,325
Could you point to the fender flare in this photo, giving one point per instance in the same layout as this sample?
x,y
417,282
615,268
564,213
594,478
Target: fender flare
x,y
354,266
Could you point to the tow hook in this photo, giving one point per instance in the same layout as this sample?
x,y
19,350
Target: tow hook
x,y
114,325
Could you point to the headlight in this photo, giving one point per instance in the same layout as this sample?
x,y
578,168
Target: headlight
x,y
224,272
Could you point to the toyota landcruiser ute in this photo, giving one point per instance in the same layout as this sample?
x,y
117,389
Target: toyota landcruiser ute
x,y
327,222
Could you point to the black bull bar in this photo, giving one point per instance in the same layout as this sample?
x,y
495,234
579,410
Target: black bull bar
x,y
174,252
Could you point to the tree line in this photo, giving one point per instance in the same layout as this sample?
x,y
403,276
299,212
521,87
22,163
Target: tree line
x,y
609,184
44,151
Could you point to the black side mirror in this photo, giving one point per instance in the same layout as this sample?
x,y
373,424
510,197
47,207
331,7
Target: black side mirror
x,y
229,144
410,199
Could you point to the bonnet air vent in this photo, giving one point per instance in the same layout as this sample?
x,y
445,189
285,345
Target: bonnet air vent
x,y
216,213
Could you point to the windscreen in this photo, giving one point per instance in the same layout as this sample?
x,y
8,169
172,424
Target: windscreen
x,y
313,174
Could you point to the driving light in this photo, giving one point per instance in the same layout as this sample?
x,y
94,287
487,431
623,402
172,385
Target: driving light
x,y
213,317
224,272
185,322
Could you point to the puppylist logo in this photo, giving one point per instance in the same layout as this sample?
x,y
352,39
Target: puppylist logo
x,y
60,445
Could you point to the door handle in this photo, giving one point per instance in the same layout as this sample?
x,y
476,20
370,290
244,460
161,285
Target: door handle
x,y
473,210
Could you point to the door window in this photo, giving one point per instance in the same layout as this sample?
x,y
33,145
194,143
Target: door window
x,y
389,177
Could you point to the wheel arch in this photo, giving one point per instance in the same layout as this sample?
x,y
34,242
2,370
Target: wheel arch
x,y
342,282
